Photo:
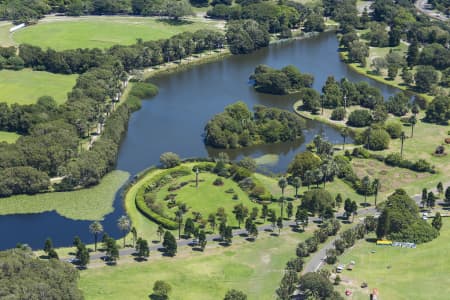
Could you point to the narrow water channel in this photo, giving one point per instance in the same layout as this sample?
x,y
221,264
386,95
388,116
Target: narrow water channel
x,y
175,118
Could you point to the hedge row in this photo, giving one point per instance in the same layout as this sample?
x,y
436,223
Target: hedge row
x,y
142,206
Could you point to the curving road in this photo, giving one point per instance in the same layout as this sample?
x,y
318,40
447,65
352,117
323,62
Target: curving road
x,y
434,14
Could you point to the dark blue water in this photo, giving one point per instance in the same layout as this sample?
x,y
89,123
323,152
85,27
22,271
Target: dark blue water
x,y
174,121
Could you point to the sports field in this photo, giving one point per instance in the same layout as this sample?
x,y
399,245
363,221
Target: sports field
x,y
26,86
101,32
400,273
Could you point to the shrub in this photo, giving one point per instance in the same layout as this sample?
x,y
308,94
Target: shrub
x,y
235,197
143,90
218,181
169,160
316,200
393,159
338,114
360,118
394,129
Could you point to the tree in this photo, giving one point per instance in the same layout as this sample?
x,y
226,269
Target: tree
x,y
134,233
160,231
437,221
338,200
438,111
253,232
376,187
254,213
124,225
235,295
240,212
82,255
402,139
162,289
296,183
440,188
412,120
290,208
447,195
169,160
345,132
272,218
248,162
52,254
179,219
212,221
279,225
264,212
111,249
95,228
228,234
202,240
423,200
303,162
348,207
365,186
318,285
170,244
48,245
425,78
142,248
288,284
301,217
189,227
282,183
431,199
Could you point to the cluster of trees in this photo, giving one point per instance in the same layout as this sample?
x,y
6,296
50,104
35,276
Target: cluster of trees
x,y
9,59
52,134
245,36
238,127
29,11
309,283
25,276
280,82
400,221
275,17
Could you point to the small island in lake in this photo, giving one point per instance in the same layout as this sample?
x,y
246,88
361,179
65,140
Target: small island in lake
x,y
238,127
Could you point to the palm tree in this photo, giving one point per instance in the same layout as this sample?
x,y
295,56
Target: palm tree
x,y
402,139
282,183
95,228
376,188
124,225
345,132
297,183
365,184
134,233
413,122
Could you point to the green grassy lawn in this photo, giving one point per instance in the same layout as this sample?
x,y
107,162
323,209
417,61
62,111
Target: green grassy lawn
x,y
255,268
400,273
207,198
26,86
86,204
8,137
100,32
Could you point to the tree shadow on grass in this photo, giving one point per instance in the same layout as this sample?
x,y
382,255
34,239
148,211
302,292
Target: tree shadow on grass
x,y
156,242
371,240
157,297
140,259
43,256
174,22
365,204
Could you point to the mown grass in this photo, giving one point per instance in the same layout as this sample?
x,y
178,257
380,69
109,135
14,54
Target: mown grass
x,y
8,137
100,32
86,204
5,37
26,86
400,273
255,268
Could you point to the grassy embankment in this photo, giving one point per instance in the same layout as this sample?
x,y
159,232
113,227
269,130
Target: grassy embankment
x,y
26,86
399,273
86,204
102,31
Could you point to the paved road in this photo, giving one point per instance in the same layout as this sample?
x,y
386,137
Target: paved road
x,y
421,6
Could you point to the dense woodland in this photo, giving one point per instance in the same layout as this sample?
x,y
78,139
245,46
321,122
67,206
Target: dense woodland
x,y
237,127
53,136
24,276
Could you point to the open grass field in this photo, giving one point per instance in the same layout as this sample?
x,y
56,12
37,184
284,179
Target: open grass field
x,y
400,273
8,137
207,198
5,37
255,268
101,32
26,86
87,204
